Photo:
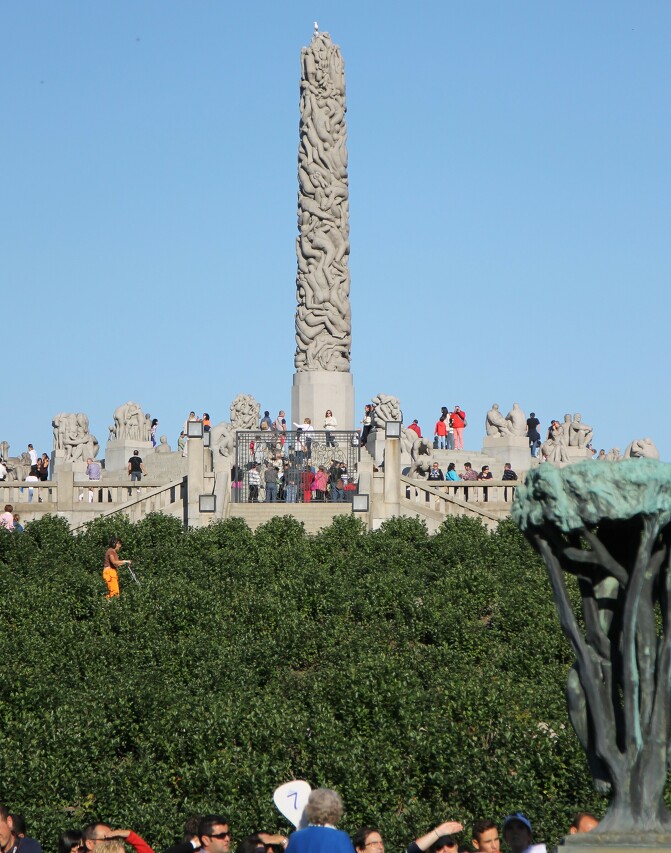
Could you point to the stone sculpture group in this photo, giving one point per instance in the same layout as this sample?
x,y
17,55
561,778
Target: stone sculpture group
x,y
131,423
323,319
18,467
572,433
514,423
245,412
72,440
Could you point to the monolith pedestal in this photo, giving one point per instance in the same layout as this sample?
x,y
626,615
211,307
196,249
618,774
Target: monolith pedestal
x,y
315,391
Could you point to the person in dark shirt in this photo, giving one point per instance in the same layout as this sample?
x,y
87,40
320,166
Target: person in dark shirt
x,y
135,469
10,840
191,841
435,473
508,474
533,435
485,474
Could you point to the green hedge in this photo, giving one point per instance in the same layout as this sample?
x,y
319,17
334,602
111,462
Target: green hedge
x,y
421,676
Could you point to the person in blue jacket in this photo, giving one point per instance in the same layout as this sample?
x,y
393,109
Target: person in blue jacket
x,y
323,810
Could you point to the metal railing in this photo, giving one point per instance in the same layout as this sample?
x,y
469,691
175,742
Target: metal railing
x,y
297,455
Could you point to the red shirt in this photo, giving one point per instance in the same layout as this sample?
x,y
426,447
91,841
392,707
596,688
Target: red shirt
x,y
441,428
415,428
458,419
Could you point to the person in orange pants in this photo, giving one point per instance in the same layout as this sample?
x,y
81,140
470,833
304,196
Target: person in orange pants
x,y
112,563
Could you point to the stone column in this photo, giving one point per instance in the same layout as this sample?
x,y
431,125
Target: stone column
x,y
65,481
195,480
392,477
323,320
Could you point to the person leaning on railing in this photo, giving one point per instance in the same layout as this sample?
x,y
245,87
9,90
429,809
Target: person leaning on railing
x,y
452,476
508,474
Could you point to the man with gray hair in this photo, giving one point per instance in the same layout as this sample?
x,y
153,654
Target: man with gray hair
x,y
93,472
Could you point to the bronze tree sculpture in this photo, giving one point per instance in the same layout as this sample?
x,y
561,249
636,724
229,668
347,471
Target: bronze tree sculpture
x,y
610,527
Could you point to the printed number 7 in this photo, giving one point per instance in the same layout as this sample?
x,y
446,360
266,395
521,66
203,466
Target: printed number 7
x,y
293,794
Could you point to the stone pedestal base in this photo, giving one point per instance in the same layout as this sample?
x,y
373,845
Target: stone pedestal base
x,y
315,391
509,448
57,459
59,464
596,842
117,453
78,470
577,454
375,445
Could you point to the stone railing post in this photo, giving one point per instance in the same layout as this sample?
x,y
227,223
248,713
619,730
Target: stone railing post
x,y
65,481
392,477
195,479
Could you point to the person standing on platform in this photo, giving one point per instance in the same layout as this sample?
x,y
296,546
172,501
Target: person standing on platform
x,y
415,427
33,459
136,469
458,423
533,435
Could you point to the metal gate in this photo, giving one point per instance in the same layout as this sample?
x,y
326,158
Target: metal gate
x,y
296,455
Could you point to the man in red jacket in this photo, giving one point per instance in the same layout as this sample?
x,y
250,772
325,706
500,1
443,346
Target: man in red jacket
x,y
414,426
458,422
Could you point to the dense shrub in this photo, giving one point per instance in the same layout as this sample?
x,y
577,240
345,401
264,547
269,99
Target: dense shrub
x,y
422,676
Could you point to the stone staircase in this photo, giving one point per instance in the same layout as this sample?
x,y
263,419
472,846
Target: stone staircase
x,y
167,499
420,499
314,515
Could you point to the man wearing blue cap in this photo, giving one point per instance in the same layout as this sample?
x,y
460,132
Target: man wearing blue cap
x,y
517,835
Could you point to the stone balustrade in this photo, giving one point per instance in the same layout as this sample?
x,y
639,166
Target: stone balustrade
x,y
83,500
442,498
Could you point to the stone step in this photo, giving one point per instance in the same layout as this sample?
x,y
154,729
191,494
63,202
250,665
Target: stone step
x,y
314,516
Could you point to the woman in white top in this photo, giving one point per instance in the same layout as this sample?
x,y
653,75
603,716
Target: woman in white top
x,y
303,441
330,423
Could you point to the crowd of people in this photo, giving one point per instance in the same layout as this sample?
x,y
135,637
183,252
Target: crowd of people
x,y
317,833
448,433
281,467
35,471
468,473
293,480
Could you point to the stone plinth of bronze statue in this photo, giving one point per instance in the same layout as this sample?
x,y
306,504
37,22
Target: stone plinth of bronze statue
x,y
609,526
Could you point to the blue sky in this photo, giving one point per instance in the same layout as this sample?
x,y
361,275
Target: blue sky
x,y
510,202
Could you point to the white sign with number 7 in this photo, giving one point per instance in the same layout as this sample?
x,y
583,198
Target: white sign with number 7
x,y
291,798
